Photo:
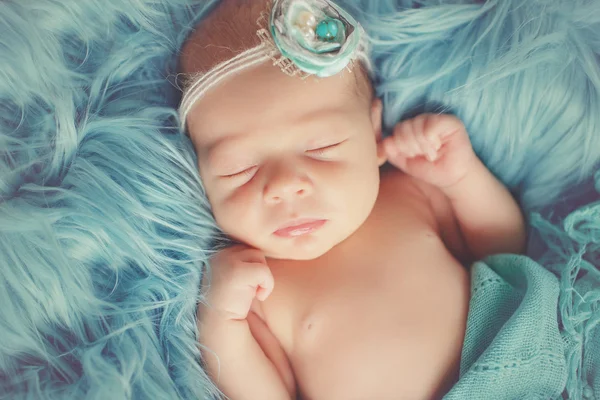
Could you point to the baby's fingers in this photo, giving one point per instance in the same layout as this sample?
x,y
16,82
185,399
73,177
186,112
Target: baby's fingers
x,y
427,145
258,277
444,128
404,142
250,281
265,287
395,155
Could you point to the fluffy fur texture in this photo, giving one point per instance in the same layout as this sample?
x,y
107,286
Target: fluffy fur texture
x,y
104,228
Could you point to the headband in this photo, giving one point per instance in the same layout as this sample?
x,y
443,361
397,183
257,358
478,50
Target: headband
x,y
302,37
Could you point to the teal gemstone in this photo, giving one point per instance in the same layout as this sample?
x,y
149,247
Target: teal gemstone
x,y
327,29
322,30
332,26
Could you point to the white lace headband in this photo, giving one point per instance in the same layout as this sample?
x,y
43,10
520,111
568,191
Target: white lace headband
x,y
302,37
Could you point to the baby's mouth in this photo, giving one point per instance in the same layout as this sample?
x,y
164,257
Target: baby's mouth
x,y
300,227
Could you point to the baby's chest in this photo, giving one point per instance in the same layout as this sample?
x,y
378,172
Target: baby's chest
x,y
367,290
372,316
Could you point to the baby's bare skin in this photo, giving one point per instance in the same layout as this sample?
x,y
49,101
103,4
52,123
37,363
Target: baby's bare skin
x,y
373,304
380,316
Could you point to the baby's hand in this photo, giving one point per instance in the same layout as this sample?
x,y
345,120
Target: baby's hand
x,y
239,274
434,148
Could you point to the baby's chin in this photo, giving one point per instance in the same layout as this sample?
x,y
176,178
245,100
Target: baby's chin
x,y
296,256
295,251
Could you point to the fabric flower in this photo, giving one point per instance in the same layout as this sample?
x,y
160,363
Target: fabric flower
x,y
318,36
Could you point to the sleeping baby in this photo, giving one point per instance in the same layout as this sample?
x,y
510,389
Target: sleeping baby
x,y
348,278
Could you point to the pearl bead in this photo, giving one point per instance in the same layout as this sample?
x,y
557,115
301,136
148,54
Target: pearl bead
x,y
308,33
306,19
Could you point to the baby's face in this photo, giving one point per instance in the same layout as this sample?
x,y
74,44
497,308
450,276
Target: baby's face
x,y
276,151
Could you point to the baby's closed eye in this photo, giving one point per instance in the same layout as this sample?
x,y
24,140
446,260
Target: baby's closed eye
x,y
246,172
241,172
325,150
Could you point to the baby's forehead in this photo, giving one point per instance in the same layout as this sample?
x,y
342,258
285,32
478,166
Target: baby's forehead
x,y
264,96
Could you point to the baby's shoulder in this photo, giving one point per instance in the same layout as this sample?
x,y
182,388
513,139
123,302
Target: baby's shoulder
x,y
401,201
419,205
398,190
399,187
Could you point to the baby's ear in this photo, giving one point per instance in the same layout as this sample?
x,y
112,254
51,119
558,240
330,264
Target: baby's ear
x,y
376,115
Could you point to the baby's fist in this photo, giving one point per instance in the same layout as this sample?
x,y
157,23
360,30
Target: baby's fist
x,y
238,275
432,147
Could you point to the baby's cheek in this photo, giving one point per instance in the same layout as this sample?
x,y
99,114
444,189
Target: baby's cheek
x,y
355,185
235,213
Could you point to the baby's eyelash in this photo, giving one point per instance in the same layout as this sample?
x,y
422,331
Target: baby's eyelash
x,y
323,150
245,172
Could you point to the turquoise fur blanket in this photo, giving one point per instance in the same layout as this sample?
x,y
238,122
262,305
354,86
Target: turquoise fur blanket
x,y
105,229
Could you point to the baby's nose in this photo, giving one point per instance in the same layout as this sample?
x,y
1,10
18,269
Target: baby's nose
x,y
286,184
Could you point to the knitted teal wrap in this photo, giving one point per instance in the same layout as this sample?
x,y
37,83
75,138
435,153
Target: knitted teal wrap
x,y
531,335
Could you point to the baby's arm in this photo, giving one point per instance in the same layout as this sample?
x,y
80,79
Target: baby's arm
x,y
233,358
237,364
489,218
436,149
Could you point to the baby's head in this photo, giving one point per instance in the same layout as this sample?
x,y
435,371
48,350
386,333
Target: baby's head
x,y
276,150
